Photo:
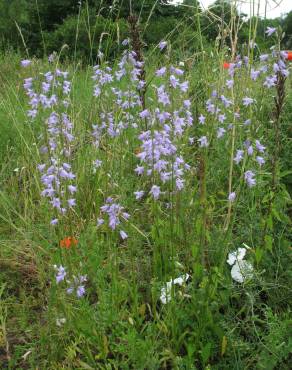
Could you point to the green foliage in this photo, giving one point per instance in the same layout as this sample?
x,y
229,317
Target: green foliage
x,y
12,12
47,25
287,28
218,19
159,28
87,33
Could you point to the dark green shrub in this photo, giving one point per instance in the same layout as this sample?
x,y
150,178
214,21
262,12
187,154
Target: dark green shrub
x,y
85,35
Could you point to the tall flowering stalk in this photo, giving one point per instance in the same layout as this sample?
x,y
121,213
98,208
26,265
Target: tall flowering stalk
x,y
116,216
135,36
48,96
277,80
160,156
230,104
159,151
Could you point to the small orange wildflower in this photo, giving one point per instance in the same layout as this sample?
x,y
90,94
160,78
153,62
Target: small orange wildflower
x,y
226,65
289,55
68,242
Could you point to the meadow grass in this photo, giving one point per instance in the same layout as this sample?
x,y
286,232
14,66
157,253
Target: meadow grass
x,y
209,321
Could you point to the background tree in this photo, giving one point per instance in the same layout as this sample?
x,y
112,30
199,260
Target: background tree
x,y
12,12
216,17
287,28
47,25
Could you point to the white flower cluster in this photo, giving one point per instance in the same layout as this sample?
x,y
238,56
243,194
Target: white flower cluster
x,y
165,295
60,322
241,269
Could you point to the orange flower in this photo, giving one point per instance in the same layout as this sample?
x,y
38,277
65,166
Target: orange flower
x,y
226,65
289,55
68,242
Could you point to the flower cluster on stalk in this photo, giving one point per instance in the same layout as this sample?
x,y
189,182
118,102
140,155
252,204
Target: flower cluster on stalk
x,y
221,116
48,96
115,215
159,154
77,285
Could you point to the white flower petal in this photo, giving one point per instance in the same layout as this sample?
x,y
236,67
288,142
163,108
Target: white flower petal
x,y
181,279
165,293
237,255
231,258
61,321
165,296
240,254
241,271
